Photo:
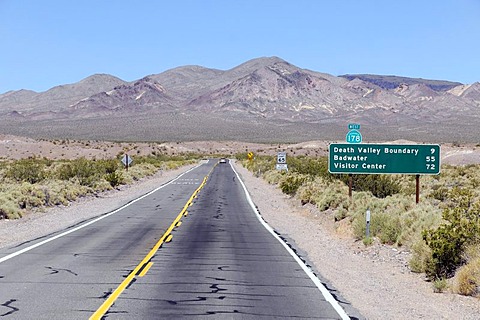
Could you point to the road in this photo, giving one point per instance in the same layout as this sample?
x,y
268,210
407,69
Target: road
x,y
193,248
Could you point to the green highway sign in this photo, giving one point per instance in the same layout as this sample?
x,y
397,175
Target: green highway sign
x,y
365,158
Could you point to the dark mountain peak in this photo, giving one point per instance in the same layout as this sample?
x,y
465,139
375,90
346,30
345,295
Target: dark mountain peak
x,y
148,83
393,82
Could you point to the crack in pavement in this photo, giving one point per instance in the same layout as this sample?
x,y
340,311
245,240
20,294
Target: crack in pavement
x,y
57,270
8,305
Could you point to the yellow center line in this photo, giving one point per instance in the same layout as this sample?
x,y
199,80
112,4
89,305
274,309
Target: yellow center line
x,y
145,270
142,268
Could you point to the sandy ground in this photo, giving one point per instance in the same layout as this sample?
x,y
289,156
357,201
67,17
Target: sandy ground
x,y
374,280
13,147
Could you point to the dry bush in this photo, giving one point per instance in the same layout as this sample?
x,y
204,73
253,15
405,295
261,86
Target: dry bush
x,y
421,256
273,176
138,172
36,183
467,277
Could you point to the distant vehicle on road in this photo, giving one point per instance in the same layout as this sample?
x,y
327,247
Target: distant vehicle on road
x,y
223,160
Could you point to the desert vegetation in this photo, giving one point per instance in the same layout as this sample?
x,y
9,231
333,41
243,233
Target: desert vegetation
x,y
36,183
442,232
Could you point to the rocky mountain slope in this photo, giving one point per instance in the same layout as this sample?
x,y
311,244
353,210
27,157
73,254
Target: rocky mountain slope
x,y
267,91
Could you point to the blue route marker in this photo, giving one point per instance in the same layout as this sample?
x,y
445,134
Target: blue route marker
x,y
354,136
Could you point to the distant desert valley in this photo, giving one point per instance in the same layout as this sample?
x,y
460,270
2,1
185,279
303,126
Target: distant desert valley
x,y
264,100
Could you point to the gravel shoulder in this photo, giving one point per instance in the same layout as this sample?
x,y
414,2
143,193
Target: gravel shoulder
x,y
375,280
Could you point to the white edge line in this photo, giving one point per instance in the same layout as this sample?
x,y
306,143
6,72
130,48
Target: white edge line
x,y
12,255
328,296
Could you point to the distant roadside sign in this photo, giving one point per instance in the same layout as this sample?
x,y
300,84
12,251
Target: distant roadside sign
x,y
126,160
383,159
281,161
281,157
250,155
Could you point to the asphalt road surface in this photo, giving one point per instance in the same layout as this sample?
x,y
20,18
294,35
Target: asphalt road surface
x,y
192,249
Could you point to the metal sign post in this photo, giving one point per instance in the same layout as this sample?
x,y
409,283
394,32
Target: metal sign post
x,y
367,218
417,188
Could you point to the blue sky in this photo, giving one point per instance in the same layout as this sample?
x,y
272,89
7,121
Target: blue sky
x,y
52,42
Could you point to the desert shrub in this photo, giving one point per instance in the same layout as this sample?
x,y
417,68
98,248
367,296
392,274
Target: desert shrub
x,y
309,166
114,178
384,226
108,166
440,285
394,219
311,188
307,190
42,182
90,172
448,241
439,192
9,209
367,241
62,192
175,164
290,183
260,165
387,228
31,195
29,170
381,186
138,172
467,278
421,256
273,176
331,197
415,219
83,170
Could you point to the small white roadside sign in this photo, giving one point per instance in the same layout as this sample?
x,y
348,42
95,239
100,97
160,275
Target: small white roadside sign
x,y
126,160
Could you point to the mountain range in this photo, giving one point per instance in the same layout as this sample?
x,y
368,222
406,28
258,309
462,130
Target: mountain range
x,y
264,99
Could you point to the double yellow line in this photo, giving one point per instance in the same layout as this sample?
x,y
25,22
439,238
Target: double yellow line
x,y
142,268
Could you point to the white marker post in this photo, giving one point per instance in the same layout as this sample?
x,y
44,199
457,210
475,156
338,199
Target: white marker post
x,y
367,229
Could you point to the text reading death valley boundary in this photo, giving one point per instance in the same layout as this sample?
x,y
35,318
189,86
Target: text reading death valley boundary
x,y
384,159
